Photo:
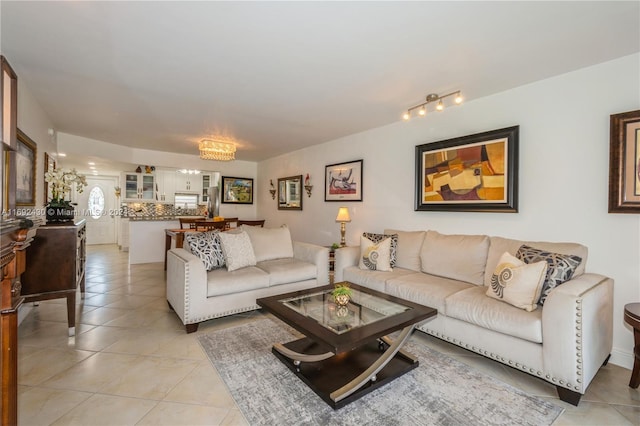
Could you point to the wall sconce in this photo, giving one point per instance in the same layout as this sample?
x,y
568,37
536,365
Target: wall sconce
x,y
117,191
422,108
307,185
343,217
272,190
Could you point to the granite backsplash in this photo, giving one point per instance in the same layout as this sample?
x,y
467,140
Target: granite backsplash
x,y
158,210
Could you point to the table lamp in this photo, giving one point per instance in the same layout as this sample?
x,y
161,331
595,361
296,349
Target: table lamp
x,y
343,217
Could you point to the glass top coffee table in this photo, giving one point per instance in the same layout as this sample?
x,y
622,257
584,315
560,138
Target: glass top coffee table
x,y
346,352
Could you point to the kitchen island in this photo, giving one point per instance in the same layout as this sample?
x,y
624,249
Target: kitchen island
x,y
147,238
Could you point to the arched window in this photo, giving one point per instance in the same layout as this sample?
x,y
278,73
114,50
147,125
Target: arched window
x,y
96,202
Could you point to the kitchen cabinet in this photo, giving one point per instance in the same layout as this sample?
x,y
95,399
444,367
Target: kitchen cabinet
x,y
207,181
186,182
138,186
165,186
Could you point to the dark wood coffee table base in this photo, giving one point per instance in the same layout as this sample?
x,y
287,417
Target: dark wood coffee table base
x,y
327,376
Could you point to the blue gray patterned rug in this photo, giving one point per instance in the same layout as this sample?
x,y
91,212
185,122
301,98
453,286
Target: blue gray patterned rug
x,y
441,391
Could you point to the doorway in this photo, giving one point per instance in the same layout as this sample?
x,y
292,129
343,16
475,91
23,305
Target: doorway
x,y
97,204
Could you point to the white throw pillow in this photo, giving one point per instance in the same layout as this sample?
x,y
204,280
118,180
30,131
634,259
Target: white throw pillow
x,y
375,256
237,249
517,283
270,243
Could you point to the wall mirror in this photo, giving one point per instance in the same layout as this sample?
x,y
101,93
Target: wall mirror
x,y
290,193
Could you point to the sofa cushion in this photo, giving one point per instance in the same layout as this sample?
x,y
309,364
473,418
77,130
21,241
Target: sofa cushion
x,y
474,307
499,245
428,290
408,248
207,246
376,238
372,279
222,281
237,249
375,256
517,283
288,270
270,243
561,267
460,257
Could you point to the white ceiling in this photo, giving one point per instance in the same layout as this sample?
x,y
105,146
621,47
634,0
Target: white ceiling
x,y
279,76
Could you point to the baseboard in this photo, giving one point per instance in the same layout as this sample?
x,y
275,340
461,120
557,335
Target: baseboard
x,y
622,358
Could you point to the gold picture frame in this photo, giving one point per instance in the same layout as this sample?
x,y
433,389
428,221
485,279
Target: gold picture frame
x,y
25,166
624,162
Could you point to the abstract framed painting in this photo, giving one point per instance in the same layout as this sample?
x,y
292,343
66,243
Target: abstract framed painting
x,y
343,181
624,162
475,173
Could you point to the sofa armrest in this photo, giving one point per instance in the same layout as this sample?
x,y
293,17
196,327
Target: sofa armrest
x,y
344,257
315,254
577,330
186,282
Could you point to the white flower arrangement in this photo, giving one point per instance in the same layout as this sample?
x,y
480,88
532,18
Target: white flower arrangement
x,y
62,181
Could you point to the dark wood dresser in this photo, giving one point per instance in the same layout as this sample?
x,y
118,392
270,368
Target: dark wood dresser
x,y
55,265
16,235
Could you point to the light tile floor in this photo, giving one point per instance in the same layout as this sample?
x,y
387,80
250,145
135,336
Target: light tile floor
x,y
131,362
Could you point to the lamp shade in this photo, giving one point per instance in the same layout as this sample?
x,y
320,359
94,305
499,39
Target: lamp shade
x,y
343,215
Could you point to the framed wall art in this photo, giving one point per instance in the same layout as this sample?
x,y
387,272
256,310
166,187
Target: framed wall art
x,y
25,170
343,181
475,173
624,162
9,95
236,190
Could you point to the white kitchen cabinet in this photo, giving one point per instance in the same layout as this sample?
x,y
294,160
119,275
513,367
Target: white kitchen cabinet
x,y
123,237
138,187
206,179
186,182
165,186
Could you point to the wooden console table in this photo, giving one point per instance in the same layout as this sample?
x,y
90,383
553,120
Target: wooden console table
x,y
55,265
632,317
16,237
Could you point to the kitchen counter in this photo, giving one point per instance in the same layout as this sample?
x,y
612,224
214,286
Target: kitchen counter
x,y
160,218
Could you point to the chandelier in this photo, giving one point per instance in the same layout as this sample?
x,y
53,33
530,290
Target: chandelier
x,y
211,149
422,107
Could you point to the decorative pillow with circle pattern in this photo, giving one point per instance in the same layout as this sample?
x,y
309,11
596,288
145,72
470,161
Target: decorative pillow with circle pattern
x,y
375,256
517,283
207,246
376,238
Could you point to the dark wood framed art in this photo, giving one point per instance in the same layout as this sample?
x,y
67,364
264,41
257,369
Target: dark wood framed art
x,y
624,162
237,190
343,181
475,173
25,161
9,112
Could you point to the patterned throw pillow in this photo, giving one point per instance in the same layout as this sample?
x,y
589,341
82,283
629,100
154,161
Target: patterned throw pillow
x,y
561,267
206,245
375,256
517,283
376,238
237,249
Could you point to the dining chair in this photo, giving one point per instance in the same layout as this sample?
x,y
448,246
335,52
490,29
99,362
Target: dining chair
x,y
188,222
259,223
207,225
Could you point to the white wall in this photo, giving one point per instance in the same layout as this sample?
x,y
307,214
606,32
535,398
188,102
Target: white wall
x,y
72,144
563,185
35,123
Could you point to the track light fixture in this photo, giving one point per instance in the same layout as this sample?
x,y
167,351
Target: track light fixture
x,y
422,107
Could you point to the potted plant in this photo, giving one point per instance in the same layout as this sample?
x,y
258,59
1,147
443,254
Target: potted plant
x,y
62,181
341,294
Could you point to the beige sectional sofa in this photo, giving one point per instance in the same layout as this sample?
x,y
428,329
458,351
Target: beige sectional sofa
x,y
565,341
270,264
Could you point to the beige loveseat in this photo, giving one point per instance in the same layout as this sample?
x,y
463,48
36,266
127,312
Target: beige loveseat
x,y
270,264
564,341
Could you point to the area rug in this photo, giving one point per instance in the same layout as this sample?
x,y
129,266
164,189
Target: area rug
x,y
441,391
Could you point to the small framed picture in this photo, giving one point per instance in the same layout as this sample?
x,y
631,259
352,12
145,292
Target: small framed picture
x,y
236,190
343,181
25,171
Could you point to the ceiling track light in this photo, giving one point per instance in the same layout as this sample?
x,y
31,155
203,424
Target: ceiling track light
x,y
422,107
